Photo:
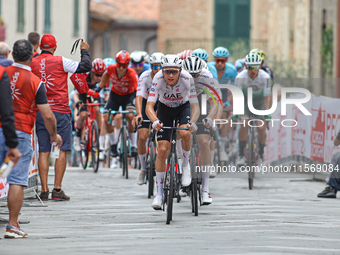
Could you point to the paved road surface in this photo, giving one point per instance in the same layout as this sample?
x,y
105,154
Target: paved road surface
x,y
108,214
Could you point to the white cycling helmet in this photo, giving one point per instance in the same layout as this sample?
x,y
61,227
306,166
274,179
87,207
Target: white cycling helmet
x,y
171,60
205,66
253,59
136,57
193,64
145,55
156,58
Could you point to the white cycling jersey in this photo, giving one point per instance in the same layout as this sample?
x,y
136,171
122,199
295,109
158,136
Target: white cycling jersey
x,y
206,83
175,96
144,84
261,84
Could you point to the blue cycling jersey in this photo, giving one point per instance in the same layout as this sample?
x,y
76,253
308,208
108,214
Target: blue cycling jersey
x,y
229,75
145,67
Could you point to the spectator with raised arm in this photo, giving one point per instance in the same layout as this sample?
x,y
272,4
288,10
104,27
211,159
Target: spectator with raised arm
x,y
53,72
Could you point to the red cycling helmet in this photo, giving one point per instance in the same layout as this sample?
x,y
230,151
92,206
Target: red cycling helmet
x,y
123,57
98,66
186,53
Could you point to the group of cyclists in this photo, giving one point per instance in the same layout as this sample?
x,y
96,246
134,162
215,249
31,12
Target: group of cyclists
x,y
162,88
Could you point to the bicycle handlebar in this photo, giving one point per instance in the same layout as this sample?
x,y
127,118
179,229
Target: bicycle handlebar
x,y
113,112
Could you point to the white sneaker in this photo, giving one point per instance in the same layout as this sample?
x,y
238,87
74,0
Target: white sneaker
x,y
186,176
157,202
140,178
223,156
241,161
212,174
76,143
114,163
101,155
206,198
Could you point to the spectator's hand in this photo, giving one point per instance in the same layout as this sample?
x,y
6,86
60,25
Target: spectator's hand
x,y
84,45
57,139
14,155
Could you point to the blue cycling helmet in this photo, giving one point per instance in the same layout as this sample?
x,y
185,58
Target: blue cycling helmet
x,y
239,63
201,53
220,52
109,61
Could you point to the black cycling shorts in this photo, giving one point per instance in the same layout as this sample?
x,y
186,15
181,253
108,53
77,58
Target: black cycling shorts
x,y
116,100
84,98
167,114
201,129
145,117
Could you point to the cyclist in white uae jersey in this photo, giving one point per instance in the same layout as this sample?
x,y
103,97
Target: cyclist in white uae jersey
x,y
205,84
260,82
143,90
175,90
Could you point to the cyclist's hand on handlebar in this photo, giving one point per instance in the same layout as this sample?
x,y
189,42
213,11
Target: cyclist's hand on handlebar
x,y
208,122
79,104
84,45
137,120
192,127
267,117
157,125
235,117
226,105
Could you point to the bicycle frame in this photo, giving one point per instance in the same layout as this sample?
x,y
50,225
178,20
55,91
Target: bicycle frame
x,y
88,124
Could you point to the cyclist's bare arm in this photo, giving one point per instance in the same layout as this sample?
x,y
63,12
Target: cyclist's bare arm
x,y
139,102
267,102
104,80
213,110
150,112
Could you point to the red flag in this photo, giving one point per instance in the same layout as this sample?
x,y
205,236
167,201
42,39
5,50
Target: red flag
x,y
79,82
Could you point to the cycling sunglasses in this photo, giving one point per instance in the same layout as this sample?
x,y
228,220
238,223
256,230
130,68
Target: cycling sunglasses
x,y
156,67
171,71
253,67
138,65
195,75
218,60
122,65
98,74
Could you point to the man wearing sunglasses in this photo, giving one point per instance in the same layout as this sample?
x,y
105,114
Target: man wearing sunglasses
x,y
175,90
123,93
93,79
143,90
137,63
204,83
260,82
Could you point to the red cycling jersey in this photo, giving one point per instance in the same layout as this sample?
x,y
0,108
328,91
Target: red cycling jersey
x,y
125,85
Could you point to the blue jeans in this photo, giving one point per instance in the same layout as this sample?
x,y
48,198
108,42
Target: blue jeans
x,y
19,174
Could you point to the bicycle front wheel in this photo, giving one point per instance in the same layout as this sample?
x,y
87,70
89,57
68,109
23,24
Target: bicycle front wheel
x,y
84,155
170,196
95,146
250,160
151,168
194,184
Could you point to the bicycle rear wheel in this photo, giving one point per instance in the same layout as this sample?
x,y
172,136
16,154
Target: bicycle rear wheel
x,y
170,193
95,146
250,161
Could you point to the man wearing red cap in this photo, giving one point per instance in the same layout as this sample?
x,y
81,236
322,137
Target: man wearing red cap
x,y
53,71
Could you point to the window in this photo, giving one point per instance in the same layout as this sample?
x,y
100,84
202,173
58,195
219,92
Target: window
x,y
47,26
0,7
76,18
21,16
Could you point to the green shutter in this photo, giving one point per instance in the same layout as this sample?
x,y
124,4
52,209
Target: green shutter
x,y
76,18
47,26
21,16
232,19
